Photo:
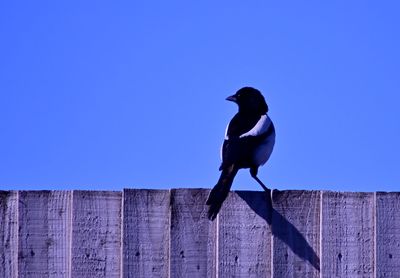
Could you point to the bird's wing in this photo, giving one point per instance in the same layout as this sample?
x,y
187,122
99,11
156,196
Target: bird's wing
x,y
242,136
260,128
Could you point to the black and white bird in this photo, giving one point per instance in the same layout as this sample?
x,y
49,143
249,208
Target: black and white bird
x,y
249,141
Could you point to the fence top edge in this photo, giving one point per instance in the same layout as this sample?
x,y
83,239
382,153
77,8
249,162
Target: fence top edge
x,y
192,189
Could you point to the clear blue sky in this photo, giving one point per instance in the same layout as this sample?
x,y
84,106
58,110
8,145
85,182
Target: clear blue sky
x,y
109,94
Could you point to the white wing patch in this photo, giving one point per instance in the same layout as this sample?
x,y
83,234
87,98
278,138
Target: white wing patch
x,y
225,138
226,132
261,127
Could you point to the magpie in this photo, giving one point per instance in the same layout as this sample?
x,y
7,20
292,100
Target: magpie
x,y
249,141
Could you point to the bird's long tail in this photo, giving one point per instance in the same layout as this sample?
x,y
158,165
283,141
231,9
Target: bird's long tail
x,y
220,191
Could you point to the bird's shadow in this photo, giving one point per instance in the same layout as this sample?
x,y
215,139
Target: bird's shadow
x,y
280,226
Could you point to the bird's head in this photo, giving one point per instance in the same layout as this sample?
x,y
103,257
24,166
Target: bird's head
x,y
249,100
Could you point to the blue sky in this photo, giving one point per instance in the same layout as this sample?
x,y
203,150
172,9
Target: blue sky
x,y
104,95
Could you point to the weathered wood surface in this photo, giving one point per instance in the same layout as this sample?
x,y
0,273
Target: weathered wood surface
x,y
9,234
96,234
244,236
296,233
193,236
146,225
348,239
165,233
44,235
388,234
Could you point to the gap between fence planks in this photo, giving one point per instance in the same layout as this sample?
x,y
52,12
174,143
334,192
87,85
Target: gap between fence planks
x,y
165,233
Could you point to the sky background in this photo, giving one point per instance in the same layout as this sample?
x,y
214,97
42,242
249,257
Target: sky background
x,y
104,95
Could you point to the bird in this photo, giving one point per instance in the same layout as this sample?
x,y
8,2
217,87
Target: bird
x,y
248,143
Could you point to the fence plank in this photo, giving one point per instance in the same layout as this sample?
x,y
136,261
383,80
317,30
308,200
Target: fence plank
x,y
96,234
8,234
192,235
244,238
348,234
296,233
146,233
44,234
387,234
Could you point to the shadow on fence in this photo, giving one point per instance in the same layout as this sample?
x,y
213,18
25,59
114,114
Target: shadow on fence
x,y
280,226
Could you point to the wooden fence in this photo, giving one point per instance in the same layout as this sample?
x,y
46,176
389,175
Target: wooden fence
x,y
165,233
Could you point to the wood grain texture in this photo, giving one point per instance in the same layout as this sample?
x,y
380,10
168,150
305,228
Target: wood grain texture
x,y
193,236
162,233
44,234
348,234
388,234
296,233
9,234
146,218
96,234
244,236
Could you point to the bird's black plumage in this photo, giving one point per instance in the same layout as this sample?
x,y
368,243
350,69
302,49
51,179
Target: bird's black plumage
x,y
249,141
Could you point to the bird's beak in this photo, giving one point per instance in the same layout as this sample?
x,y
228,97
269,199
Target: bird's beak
x,y
232,98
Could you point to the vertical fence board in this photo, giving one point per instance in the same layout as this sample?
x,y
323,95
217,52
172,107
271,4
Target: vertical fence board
x,y
388,234
8,234
348,234
192,235
96,234
296,233
44,234
244,239
146,233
